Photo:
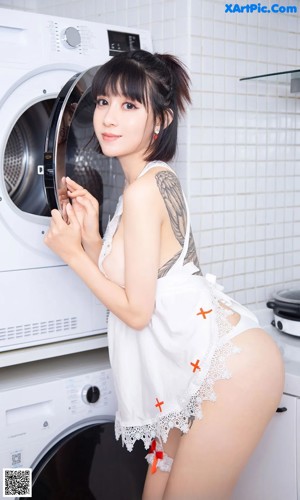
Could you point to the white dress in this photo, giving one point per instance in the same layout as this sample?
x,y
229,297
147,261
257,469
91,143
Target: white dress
x,y
164,372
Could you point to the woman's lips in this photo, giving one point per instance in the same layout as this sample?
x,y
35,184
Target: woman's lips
x,y
110,137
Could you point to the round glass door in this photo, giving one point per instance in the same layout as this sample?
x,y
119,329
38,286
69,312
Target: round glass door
x,y
52,138
65,124
90,464
72,150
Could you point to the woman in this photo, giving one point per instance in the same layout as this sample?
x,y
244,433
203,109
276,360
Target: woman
x,y
180,349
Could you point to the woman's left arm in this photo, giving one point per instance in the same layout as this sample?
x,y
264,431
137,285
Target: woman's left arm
x,y
133,304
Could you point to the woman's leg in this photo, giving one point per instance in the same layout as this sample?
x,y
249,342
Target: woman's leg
x,y
212,454
155,484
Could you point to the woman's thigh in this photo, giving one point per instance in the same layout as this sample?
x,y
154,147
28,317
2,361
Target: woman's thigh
x,y
212,454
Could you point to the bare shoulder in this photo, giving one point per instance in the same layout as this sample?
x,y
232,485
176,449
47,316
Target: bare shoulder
x,y
151,185
143,198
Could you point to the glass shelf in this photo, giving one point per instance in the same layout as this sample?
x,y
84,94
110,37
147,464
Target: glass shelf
x,y
291,78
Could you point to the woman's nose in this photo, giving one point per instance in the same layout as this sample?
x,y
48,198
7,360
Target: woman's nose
x,y
110,116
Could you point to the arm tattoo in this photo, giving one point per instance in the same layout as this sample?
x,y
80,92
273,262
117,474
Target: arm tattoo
x,y
172,195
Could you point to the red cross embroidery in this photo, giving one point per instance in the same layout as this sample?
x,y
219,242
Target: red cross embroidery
x,y
196,365
203,313
159,404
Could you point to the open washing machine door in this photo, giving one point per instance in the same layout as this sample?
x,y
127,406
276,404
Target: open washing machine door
x,y
70,148
63,129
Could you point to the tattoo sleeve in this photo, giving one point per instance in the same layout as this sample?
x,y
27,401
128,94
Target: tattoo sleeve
x,y
172,195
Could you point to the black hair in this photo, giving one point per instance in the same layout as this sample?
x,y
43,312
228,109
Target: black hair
x,y
158,81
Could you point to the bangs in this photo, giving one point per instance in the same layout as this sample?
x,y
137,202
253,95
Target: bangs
x,y
121,78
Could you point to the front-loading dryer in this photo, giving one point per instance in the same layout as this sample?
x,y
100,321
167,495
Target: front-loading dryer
x,y
57,418
47,65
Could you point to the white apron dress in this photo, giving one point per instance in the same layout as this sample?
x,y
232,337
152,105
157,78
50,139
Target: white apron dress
x,y
163,372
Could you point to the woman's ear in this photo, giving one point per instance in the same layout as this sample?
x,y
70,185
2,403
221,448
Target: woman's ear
x,y
169,115
168,118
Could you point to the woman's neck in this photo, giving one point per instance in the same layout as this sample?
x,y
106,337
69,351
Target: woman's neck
x,y
132,167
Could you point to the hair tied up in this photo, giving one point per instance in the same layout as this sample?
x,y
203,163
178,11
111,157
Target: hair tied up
x,y
179,80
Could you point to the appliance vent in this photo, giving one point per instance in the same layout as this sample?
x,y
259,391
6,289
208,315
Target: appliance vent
x,y
55,35
55,326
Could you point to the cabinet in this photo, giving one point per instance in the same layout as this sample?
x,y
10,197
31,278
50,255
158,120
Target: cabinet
x,y
271,473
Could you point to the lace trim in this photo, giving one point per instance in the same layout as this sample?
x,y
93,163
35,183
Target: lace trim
x,y
192,406
158,458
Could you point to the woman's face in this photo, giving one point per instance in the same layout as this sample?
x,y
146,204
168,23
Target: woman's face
x,y
123,126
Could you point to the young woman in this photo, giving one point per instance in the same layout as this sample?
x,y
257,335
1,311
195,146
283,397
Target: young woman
x,y
180,349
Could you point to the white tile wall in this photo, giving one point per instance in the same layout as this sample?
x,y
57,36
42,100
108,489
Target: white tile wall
x,y
20,4
239,147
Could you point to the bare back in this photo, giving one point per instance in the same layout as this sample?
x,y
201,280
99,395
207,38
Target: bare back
x,y
169,198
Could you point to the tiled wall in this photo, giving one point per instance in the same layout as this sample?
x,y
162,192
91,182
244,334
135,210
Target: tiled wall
x,y
239,144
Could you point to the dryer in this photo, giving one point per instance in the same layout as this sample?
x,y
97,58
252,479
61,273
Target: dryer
x,y
57,418
47,64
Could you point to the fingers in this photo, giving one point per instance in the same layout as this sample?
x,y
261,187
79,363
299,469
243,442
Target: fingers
x,y
71,215
56,217
90,204
58,221
78,192
63,211
72,184
84,198
75,189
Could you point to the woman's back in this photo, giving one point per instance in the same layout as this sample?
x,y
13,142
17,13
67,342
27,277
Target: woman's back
x,y
170,199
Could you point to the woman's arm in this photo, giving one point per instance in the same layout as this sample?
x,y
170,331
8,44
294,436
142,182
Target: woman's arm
x,y
133,304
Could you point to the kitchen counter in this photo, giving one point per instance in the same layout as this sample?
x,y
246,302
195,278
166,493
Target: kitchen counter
x,y
55,349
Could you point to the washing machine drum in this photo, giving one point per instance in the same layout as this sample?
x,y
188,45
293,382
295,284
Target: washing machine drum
x,y
52,139
90,464
24,153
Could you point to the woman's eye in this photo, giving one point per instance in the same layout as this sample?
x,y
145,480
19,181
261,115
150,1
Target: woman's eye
x,y
129,105
101,102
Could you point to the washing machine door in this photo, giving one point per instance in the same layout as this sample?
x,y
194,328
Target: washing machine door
x,y
71,147
89,464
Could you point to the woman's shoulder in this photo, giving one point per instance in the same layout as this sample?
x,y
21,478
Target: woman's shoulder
x,y
157,170
154,166
148,188
163,177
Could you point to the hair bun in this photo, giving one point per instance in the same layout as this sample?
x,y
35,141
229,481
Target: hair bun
x,y
179,79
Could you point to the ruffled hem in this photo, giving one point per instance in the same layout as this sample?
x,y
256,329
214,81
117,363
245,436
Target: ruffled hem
x,y
191,405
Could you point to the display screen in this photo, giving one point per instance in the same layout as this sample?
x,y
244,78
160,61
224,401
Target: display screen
x,y
121,42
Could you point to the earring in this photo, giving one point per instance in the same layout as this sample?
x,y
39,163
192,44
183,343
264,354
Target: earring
x,y
156,132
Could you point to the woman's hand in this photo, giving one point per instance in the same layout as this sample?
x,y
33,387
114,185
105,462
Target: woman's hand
x,y
86,208
64,238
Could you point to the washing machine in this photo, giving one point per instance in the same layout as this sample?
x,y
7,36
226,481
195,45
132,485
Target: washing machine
x,y
47,65
58,420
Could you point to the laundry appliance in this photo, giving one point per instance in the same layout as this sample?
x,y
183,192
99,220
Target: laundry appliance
x,y
47,65
58,419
